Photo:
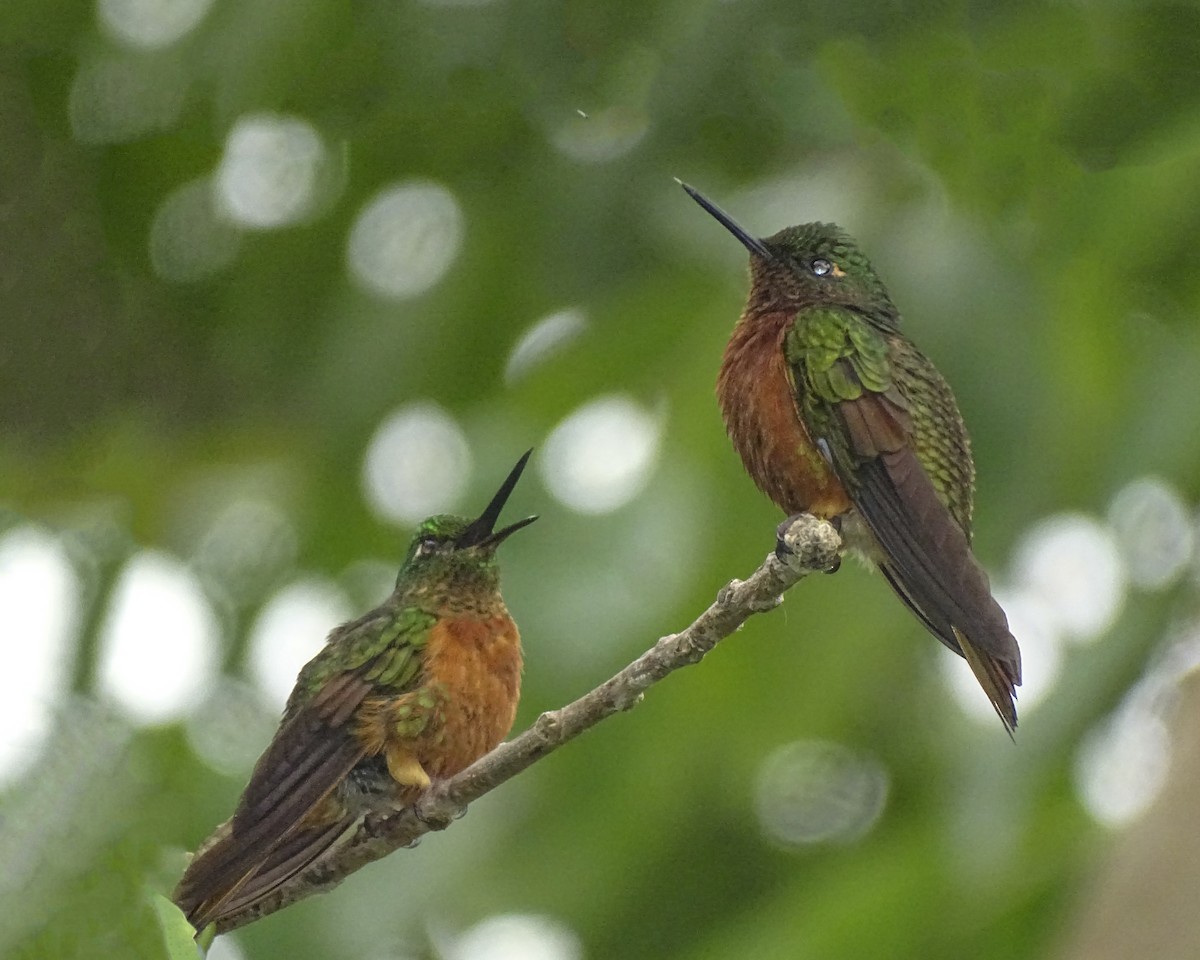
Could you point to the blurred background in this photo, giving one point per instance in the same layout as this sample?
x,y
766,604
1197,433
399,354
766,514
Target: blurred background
x,y
279,279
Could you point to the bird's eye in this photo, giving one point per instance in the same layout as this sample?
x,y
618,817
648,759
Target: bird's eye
x,y
426,546
821,267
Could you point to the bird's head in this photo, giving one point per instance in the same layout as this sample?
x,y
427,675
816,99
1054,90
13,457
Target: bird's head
x,y
806,265
447,547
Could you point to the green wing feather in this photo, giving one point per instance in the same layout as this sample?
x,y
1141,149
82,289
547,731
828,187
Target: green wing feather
x,y
277,829
890,426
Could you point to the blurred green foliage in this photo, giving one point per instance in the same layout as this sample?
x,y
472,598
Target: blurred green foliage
x,y
1025,176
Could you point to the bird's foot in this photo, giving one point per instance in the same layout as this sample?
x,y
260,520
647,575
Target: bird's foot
x,y
782,550
836,523
785,552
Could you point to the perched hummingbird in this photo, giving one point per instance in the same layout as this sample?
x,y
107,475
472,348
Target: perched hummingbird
x,y
836,413
419,688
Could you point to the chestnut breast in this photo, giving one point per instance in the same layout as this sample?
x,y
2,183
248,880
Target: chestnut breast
x,y
474,662
757,402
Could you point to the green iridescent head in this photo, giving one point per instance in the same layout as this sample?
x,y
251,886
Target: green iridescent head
x,y
447,540
807,264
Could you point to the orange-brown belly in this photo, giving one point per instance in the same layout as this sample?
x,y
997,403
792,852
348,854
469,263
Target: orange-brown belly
x,y
760,414
475,663
464,704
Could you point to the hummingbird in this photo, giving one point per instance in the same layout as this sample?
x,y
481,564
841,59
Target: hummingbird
x,y
836,413
418,688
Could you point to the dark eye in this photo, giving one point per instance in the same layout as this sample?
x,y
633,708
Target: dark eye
x,y
426,546
821,267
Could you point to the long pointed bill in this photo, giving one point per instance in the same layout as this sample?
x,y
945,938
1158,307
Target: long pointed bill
x,y
753,244
480,531
500,536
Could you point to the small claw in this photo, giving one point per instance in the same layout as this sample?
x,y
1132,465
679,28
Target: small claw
x,y
836,523
782,550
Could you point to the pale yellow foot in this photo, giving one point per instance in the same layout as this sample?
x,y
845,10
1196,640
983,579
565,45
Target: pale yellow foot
x,y
406,770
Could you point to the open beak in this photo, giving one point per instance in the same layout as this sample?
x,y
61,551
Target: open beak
x,y
753,244
482,532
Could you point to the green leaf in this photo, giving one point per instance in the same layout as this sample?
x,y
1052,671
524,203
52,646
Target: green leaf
x,y
178,934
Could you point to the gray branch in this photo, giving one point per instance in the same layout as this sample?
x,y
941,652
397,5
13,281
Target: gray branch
x,y
814,544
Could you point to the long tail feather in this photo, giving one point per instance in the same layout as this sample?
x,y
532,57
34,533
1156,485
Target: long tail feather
x,y
288,858
995,678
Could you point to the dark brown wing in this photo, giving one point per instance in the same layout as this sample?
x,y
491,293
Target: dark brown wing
x,y
283,820
926,556
889,425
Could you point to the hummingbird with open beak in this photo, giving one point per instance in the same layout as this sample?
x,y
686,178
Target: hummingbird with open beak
x,y
417,689
836,413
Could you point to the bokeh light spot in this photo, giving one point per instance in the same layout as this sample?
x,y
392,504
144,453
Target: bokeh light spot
x,y
60,830
151,24
1123,764
543,340
601,136
269,171
813,791
290,630
602,455
417,464
1072,564
225,947
516,937
39,599
189,240
405,239
659,539
231,728
159,640
1154,530
247,548
118,99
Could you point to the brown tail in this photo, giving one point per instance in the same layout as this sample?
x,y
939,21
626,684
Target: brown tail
x,y
227,877
927,559
287,817
998,677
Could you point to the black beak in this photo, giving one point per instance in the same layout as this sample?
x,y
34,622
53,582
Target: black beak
x,y
753,244
480,532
